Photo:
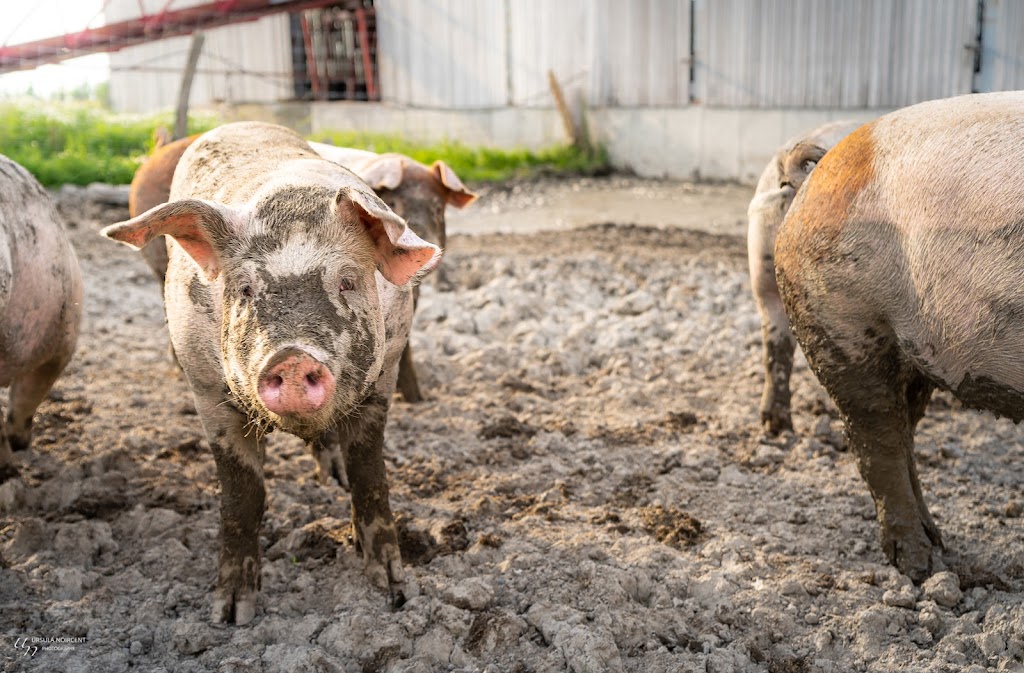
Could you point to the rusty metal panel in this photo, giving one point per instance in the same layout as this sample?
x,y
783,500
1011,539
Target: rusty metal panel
x,y
832,53
442,53
612,54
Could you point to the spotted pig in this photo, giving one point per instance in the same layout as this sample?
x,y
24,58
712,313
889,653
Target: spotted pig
x,y
40,304
414,192
901,267
289,302
772,198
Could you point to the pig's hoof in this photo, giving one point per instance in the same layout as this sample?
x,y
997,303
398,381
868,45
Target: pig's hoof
x,y
8,472
386,570
776,421
20,441
236,606
330,466
912,554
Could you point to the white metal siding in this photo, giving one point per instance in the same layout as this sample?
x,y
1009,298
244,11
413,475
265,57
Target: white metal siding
x,y
491,53
442,53
832,53
626,54
1002,60
256,54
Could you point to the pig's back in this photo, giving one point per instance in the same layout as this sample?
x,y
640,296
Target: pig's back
x,y
232,162
40,281
919,218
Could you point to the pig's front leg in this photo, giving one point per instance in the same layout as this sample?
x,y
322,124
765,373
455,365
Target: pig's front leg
x,y
362,435
239,456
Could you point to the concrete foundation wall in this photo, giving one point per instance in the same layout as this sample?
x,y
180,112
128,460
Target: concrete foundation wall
x,y
693,142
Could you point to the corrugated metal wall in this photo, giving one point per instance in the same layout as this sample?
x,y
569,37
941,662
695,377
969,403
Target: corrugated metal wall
x,y
490,53
832,53
1002,61
442,53
254,58
623,54
487,54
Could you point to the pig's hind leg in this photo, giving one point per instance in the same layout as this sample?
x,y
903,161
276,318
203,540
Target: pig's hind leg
x,y
362,435
27,392
8,470
408,383
881,396
329,454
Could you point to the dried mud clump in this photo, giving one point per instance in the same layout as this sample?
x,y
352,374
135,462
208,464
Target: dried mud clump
x,y
670,526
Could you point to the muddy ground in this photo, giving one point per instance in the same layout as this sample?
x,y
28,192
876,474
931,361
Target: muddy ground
x,y
586,488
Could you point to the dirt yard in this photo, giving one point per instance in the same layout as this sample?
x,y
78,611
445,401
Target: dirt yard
x,y
586,488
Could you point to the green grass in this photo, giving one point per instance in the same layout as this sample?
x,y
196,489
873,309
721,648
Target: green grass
x,y
477,164
82,143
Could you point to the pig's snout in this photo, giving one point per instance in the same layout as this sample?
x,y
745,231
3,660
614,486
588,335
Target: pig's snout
x,y
294,383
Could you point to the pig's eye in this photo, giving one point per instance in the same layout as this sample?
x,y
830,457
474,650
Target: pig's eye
x,y
247,291
346,285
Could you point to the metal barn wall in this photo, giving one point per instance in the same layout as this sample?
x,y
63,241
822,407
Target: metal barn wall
x,y
147,77
832,53
466,54
615,53
442,53
1002,57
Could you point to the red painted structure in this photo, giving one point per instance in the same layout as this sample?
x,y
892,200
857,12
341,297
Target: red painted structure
x,y
147,27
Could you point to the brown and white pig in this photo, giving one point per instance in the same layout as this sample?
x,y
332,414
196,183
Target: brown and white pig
x,y
772,198
151,186
901,266
40,304
289,301
417,193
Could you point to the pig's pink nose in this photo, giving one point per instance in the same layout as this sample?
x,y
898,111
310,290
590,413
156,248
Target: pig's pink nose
x,y
294,383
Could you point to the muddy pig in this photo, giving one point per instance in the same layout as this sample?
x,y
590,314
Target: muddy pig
x,y
419,195
40,304
289,301
772,198
901,267
415,192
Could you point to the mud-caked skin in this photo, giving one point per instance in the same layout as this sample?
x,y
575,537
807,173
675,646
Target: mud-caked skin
x,y
775,190
40,304
417,193
900,265
289,300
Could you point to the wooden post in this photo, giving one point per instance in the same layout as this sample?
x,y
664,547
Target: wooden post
x,y
181,117
563,109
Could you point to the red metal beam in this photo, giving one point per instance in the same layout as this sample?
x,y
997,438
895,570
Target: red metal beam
x,y
165,23
364,48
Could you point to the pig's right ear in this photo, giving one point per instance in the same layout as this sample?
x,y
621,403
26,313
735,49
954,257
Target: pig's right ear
x,y
201,228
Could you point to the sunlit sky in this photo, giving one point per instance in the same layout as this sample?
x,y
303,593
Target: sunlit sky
x,y
27,20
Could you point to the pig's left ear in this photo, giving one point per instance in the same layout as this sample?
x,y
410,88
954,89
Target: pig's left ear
x,y
401,255
457,193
